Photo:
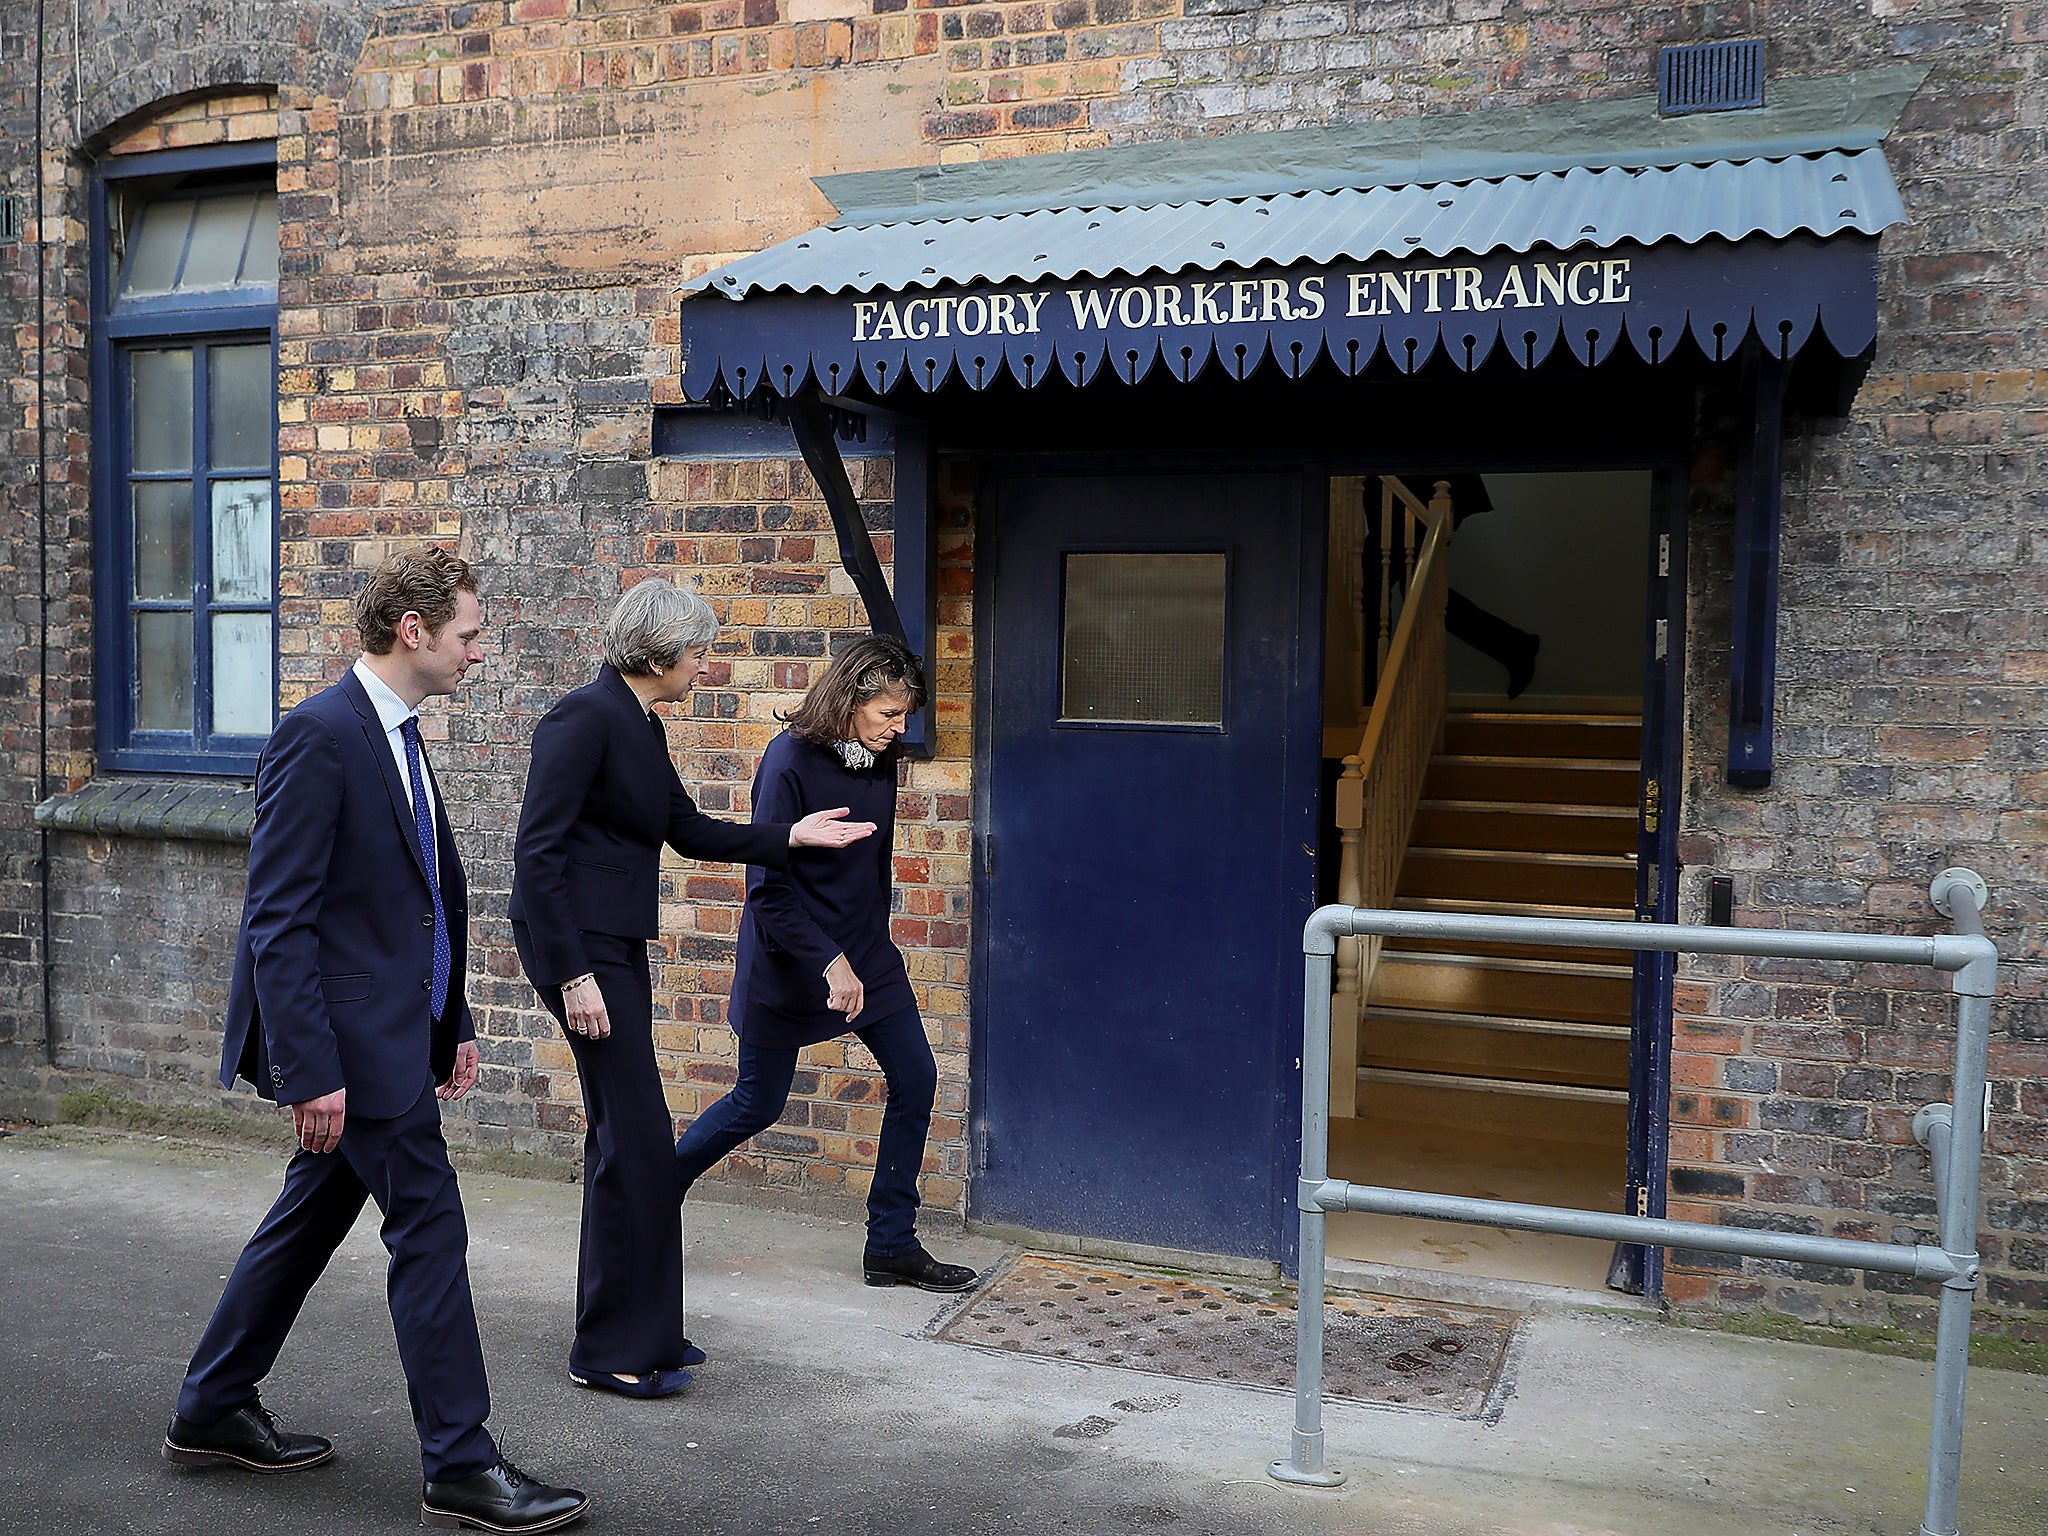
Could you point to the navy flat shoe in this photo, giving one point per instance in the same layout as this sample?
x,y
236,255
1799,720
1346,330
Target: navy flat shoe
x,y
692,1355
660,1384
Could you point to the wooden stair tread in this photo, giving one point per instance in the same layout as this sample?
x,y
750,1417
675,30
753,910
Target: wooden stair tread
x,y
1529,808
1538,717
1391,955
1514,760
1562,858
1510,1023
1472,906
1583,1093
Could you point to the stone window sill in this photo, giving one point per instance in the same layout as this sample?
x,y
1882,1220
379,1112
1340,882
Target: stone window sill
x,y
201,810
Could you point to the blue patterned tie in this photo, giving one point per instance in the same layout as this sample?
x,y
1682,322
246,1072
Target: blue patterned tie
x,y
423,834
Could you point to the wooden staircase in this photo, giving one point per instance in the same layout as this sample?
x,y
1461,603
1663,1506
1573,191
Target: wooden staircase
x,y
1524,814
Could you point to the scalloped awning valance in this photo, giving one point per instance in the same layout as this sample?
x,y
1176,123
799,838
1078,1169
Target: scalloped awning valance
x,y
1522,306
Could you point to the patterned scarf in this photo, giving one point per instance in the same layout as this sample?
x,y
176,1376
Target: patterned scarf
x,y
854,755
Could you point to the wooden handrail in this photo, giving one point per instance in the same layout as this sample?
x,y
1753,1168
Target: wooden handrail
x,y
1381,785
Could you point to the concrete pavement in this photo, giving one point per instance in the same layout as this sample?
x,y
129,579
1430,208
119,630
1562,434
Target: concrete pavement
x,y
826,1408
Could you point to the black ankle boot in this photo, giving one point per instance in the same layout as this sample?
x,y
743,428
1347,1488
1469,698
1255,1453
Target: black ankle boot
x,y
915,1267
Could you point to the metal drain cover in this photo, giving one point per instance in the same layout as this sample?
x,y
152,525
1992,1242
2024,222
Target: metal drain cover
x,y
1377,1350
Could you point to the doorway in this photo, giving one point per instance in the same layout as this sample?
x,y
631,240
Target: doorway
x,y
1146,761
1504,1071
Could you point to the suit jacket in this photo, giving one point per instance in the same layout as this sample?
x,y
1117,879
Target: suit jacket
x,y
335,961
602,796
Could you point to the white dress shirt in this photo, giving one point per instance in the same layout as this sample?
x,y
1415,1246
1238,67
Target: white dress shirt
x,y
392,713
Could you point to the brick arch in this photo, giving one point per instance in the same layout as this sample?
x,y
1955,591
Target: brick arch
x,y
228,115
141,59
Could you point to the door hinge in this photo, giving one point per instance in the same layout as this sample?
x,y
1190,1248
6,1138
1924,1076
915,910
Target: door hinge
x,y
988,855
1663,554
1653,884
1663,638
1643,1200
1653,804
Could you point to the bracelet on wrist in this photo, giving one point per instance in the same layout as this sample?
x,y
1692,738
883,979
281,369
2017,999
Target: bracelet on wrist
x,y
577,981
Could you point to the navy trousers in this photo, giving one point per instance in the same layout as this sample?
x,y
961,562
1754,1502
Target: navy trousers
x,y
755,1103
402,1164
629,1262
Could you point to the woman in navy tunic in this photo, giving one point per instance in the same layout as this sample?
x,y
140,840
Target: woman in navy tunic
x,y
815,957
602,796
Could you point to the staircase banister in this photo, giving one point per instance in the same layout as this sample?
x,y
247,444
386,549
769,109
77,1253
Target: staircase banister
x,y
1435,555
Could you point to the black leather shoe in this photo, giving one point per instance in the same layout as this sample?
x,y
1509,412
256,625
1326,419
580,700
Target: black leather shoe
x,y
249,1437
915,1267
502,1499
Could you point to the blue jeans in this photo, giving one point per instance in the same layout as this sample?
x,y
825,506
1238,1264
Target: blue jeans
x,y
756,1101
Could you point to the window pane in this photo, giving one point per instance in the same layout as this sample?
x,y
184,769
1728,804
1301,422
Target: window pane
x,y
219,232
161,410
158,242
240,408
163,540
163,672
1142,639
241,674
260,265
241,541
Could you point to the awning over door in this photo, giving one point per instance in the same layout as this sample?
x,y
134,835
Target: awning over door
x,y
1468,236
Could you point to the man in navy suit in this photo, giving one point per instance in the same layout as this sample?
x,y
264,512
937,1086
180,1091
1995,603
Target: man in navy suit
x,y
347,1004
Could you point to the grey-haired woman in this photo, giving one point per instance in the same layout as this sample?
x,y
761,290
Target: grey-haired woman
x,y
602,796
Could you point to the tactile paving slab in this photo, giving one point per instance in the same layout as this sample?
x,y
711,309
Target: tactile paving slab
x,y
1377,1349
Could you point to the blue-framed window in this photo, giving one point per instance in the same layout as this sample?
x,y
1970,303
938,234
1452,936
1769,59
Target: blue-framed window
x,y
184,298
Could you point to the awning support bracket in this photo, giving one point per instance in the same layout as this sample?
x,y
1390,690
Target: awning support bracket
x,y
811,420
1753,634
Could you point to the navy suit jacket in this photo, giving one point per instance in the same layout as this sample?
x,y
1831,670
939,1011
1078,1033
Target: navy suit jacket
x,y
602,796
334,965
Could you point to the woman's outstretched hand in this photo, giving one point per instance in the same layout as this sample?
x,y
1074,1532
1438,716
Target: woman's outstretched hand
x,y
843,990
826,829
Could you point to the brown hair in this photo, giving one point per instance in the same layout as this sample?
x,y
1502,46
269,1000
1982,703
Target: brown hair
x,y
422,581
873,665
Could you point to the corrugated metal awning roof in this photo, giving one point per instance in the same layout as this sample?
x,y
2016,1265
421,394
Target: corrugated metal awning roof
x,y
1558,210
1805,116
1716,227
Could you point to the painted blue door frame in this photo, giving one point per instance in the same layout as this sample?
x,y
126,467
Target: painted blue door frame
x,y
1637,1269
1142,886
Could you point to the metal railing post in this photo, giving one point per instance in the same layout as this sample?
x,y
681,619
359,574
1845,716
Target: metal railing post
x,y
1953,1133
1958,1169
1319,947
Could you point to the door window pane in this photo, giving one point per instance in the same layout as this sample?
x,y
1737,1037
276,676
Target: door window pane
x,y
163,672
161,410
241,408
163,540
241,541
158,244
242,689
1142,638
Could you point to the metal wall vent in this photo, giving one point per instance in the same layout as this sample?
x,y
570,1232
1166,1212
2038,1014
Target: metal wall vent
x,y
10,218
1710,77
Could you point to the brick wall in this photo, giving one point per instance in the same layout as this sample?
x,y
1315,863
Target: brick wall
x,y
143,947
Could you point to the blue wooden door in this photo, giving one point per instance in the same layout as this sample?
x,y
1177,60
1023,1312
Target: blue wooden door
x,y
1148,803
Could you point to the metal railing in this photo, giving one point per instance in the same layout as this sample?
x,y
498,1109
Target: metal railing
x,y
1953,1133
